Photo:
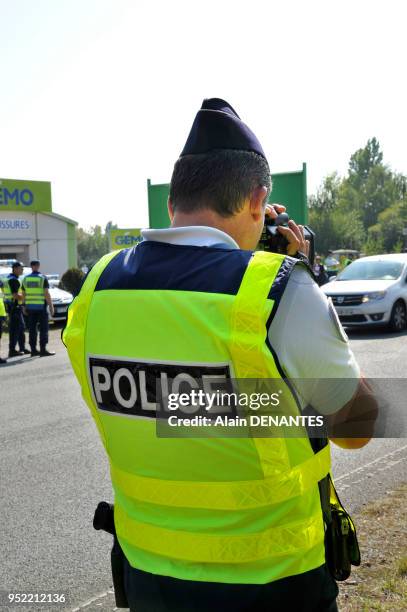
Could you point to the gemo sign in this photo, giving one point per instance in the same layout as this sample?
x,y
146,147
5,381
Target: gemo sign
x,y
124,238
33,196
23,197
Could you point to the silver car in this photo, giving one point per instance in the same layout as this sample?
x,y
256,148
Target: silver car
x,y
372,291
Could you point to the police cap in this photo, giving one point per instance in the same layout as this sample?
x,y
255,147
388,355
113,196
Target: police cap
x,y
17,264
35,262
218,126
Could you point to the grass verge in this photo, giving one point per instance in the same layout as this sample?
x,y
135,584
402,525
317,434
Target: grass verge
x,y
380,583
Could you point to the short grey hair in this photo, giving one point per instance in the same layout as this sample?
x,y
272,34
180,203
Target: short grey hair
x,y
220,180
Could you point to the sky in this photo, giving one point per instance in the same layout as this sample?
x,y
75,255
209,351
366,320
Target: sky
x,y
99,95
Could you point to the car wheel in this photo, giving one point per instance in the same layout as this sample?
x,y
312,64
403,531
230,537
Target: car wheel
x,y
398,317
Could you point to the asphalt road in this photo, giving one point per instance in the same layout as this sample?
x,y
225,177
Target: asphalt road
x,y
53,473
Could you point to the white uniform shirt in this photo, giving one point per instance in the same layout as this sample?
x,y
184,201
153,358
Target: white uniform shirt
x,y
331,263
305,334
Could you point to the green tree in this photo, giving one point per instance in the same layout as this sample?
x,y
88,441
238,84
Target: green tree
x,y
93,244
362,162
349,229
367,209
378,193
374,244
388,231
334,217
321,207
370,186
326,198
72,280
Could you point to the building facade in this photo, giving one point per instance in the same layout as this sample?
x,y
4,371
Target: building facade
x,y
30,230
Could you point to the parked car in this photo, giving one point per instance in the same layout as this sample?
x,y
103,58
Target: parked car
x,y
52,277
61,300
53,282
372,291
349,253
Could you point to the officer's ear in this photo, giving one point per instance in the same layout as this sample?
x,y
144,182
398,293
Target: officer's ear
x,y
257,203
170,210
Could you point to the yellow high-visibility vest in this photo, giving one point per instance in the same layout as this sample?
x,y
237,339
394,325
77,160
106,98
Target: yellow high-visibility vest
x,y
33,285
233,510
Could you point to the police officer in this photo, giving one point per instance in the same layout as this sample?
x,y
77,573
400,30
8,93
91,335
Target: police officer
x,y
3,316
13,299
208,523
331,264
36,298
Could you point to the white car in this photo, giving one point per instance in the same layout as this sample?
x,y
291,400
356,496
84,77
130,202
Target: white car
x,y
53,282
372,291
61,300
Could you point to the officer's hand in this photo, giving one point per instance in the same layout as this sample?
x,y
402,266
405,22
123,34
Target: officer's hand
x,y
294,233
272,210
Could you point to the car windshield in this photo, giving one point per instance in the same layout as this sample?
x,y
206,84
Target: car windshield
x,y
371,270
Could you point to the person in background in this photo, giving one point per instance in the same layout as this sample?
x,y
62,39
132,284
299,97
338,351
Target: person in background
x,y
344,261
36,298
331,264
14,299
319,271
2,317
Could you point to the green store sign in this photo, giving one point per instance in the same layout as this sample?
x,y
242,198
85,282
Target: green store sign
x,y
124,238
33,196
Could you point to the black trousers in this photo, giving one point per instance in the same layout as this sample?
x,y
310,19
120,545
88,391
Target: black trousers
x,y
38,318
314,591
16,328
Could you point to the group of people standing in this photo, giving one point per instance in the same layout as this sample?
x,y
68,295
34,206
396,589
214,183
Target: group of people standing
x,y
29,297
330,267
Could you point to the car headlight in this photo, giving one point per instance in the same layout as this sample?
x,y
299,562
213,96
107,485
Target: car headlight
x,y
376,295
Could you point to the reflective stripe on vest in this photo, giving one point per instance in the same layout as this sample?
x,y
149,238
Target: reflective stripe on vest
x,y
8,296
232,495
2,307
290,538
33,285
164,509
